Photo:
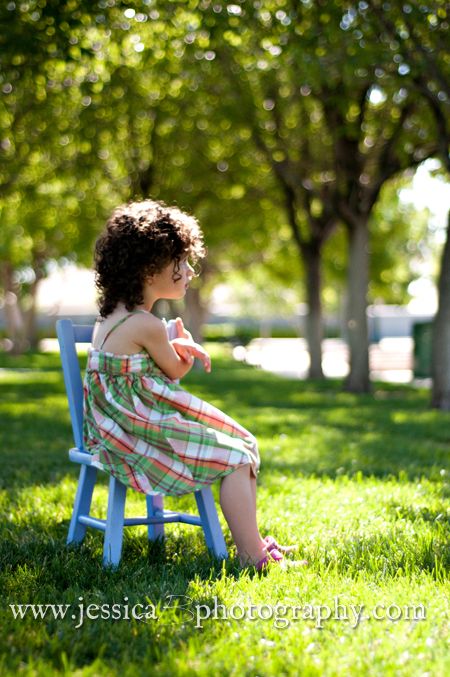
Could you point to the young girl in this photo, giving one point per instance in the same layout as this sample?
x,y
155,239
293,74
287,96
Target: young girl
x,y
139,424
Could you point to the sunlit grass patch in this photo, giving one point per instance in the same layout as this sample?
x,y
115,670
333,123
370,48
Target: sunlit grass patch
x,y
359,482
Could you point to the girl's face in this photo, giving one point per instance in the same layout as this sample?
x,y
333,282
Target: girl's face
x,y
164,286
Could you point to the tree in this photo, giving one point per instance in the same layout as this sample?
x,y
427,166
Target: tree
x,y
142,100
419,36
400,242
329,109
161,139
49,195
260,73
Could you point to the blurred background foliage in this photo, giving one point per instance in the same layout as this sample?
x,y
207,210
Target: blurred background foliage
x,y
286,127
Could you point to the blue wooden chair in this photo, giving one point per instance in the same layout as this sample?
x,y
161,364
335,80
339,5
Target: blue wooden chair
x,y
68,335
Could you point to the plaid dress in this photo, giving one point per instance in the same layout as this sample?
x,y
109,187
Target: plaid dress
x,y
152,435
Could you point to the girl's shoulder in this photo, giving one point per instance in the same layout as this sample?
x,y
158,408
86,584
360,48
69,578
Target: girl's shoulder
x,y
146,319
148,323
125,332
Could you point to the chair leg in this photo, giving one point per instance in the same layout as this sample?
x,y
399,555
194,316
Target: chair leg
x,y
82,504
210,522
112,546
155,504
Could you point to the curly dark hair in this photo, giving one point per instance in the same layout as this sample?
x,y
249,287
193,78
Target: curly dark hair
x,y
140,239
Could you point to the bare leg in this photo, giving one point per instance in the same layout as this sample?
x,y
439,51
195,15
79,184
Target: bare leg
x,y
253,488
283,548
237,499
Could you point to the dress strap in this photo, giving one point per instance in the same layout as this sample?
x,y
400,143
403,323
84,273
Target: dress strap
x,y
121,321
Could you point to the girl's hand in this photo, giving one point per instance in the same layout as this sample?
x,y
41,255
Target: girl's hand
x,y
182,332
187,349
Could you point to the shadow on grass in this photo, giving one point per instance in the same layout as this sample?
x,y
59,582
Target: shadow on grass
x,y
38,568
329,431
41,546
379,455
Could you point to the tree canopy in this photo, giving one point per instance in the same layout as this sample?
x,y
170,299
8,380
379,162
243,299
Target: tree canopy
x,y
276,122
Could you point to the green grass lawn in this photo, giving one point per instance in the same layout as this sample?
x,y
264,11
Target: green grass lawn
x,y
360,482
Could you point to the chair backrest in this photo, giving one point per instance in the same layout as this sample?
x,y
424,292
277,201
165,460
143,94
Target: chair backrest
x,y
68,335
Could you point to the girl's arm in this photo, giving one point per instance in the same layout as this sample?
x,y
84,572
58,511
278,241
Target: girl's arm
x,y
152,335
188,349
179,330
184,344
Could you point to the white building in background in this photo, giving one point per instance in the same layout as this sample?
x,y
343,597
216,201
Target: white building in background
x,y
394,321
68,290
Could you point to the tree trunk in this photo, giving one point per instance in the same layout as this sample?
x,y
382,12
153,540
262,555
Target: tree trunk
x,y
314,319
440,358
195,313
15,329
265,327
31,331
358,279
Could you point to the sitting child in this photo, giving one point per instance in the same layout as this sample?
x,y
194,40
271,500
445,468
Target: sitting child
x,y
140,425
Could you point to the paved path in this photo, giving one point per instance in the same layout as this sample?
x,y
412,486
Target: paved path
x,y
390,359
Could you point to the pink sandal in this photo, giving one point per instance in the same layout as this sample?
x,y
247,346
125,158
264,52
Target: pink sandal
x,y
273,555
274,547
271,544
